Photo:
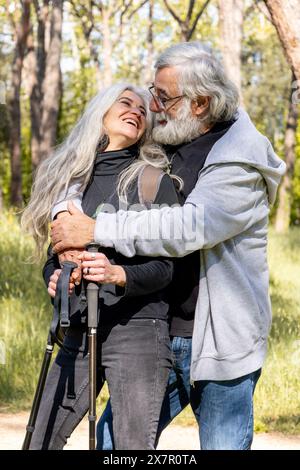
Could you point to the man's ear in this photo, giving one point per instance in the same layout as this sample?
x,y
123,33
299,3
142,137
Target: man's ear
x,y
200,105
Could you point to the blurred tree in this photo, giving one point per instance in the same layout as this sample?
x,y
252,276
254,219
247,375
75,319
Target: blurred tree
x,y
52,85
283,214
20,27
285,15
36,60
104,20
43,76
85,13
266,77
231,34
6,57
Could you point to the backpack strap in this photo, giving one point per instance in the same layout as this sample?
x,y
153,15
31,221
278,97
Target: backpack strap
x,y
148,184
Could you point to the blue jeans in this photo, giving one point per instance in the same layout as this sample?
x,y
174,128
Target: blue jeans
x,y
176,399
223,409
224,412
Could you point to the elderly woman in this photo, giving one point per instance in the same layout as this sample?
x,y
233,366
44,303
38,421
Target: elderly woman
x,y
107,153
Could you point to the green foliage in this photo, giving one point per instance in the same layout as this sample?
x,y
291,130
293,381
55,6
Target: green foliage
x,y
4,153
295,216
24,314
266,90
79,88
266,78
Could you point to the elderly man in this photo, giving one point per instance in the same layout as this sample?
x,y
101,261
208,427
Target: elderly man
x,y
224,220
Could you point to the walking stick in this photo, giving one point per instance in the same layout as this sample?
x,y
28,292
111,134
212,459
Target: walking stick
x,y
60,319
92,299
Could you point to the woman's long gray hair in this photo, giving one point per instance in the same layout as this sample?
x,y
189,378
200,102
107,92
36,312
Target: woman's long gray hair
x,y
73,161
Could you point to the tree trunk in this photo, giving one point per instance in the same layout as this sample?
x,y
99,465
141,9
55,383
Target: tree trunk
x,y
231,34
283,214
285,16
51,89
37,78
21,33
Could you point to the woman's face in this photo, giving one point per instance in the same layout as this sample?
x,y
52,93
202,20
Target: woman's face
x,y
125,122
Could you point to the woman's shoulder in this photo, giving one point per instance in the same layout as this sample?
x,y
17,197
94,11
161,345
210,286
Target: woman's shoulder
x,y
156,186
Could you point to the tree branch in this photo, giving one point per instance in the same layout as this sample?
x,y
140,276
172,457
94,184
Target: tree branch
x,y
200,13
172,12
190,10
263,9
137,9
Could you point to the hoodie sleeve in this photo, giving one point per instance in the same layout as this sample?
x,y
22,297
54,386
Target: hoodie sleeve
x,y
74,193
226,201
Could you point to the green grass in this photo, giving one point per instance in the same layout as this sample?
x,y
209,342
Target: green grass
x,y
25,314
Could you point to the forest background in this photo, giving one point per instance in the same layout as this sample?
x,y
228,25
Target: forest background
x,y
54,56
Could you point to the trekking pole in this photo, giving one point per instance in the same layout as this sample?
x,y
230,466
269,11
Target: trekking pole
x,y
60,318
92,299
39,392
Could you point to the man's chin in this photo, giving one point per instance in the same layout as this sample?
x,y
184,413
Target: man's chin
x,y
161,135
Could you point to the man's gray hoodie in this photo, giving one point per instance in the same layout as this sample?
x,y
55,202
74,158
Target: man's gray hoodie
x,y
226,219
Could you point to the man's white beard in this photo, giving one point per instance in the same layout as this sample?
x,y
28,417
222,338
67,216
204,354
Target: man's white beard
x,y
177,130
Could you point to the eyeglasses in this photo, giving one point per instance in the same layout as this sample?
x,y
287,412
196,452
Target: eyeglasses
x,y
160,101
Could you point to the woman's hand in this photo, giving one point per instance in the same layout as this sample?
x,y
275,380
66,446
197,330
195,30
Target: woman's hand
x,y
72,255
53,283
96,267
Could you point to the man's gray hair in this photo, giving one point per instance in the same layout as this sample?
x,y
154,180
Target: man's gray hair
x,y
202,74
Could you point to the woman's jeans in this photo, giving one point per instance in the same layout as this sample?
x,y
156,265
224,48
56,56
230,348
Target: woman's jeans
x,y
223,409
134,358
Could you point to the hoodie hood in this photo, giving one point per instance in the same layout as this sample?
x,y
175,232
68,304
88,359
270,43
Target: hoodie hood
x,y
244,144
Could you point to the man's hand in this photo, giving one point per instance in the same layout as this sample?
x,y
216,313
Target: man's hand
x,y
75,231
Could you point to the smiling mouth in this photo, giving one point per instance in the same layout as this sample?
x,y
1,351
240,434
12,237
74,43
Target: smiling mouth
x,y
131,122
163,122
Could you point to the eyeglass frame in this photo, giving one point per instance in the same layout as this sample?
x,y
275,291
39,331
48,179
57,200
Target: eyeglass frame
x,y
158,101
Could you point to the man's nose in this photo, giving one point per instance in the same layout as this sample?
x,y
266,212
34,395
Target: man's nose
x,y
154,107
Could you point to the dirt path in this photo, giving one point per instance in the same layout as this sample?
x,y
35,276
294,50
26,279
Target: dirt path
x,y
12,429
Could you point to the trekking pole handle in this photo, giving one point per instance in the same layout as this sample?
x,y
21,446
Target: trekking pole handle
x,y
92,293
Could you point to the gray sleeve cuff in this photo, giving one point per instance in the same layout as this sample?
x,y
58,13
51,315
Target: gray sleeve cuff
x,y
63,206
